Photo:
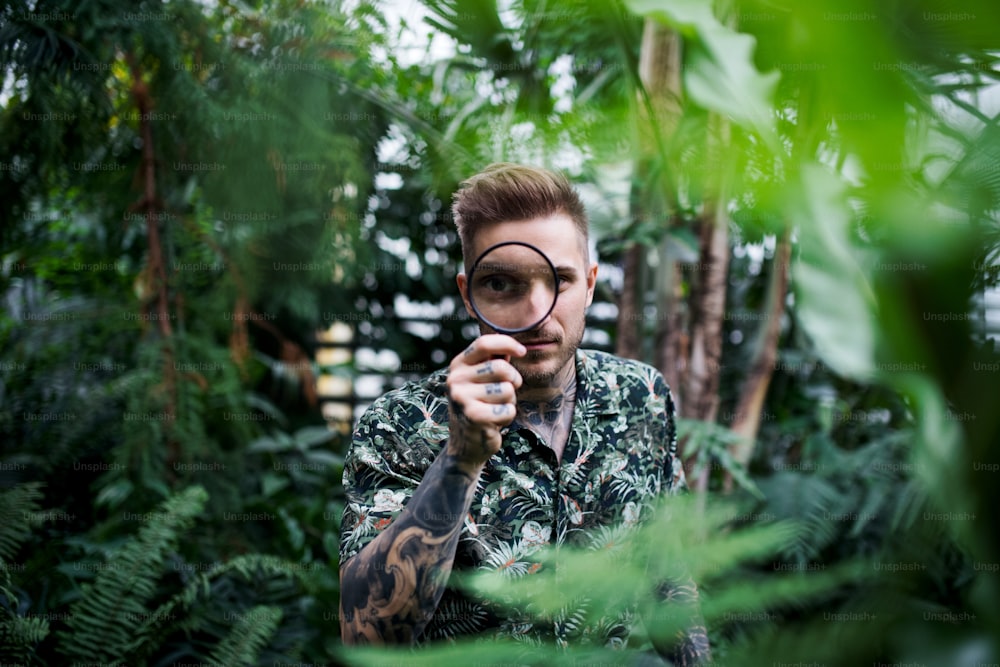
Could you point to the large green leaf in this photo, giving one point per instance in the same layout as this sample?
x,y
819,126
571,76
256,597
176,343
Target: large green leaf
x,y
719,70
834,302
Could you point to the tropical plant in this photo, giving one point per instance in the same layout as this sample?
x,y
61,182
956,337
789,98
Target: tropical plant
x,y
846,410
796,208
104,622
181,190
20,512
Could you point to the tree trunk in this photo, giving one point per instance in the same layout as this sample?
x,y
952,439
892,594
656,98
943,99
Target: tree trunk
x,y
671,336
708,294
754,390
156,263
708,304
660,77
660,68
629,307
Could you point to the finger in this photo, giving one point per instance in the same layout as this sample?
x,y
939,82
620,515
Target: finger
x,y
495,370
498,389
493,381
498,392
490,346
498,414
490,370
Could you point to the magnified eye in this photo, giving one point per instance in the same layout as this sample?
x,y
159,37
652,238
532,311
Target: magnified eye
x,y
499,285
512,287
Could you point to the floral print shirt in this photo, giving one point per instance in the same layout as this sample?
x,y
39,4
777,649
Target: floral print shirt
x,y
619,458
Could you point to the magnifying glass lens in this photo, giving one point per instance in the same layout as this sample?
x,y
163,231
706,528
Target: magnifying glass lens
x,y
513,287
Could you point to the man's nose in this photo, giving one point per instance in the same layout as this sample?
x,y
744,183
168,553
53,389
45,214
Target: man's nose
x,y
541,299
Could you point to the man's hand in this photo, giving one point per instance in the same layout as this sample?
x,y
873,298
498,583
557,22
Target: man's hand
x,y
481,389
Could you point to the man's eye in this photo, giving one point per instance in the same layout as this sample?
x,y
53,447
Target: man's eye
x,y
505,286
497,284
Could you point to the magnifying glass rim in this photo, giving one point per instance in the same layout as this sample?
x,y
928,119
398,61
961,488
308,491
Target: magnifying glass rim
x,y
484,319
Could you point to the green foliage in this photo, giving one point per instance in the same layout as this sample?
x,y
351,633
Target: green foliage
x,y
206,609
707,445
115,619
300,471
826,265
251,631
19,513
104,623
710,544
719,69
18,635
876,416
179,215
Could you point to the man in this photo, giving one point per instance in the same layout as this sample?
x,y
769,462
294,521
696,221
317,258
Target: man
x,y
524,441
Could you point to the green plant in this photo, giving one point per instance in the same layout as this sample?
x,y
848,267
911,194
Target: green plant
x,y
105,623
686,540
20,511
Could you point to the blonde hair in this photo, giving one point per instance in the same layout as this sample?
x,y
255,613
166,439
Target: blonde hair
x,y
505,192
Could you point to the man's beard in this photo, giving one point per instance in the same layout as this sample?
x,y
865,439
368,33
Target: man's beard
x,y
542,377
545,376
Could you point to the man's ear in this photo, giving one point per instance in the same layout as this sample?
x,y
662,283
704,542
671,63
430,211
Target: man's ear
x,y
591,282
462,281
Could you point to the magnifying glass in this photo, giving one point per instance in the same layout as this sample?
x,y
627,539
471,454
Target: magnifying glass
x,y
512,287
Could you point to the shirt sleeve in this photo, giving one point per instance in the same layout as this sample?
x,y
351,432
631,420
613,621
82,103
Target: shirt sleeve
x,y
675,480
376,486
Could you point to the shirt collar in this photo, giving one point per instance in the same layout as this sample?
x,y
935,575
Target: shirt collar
x,y
596,395
596,392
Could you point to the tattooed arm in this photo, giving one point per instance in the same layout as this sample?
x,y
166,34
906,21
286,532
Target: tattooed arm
x,y
391,588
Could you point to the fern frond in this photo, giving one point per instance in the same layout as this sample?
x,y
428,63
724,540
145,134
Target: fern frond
x,y
104,624
249,635
18,507
810,501
19,636
19,513
18,633
247,566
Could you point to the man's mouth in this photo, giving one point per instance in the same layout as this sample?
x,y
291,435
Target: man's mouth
x,y
538,344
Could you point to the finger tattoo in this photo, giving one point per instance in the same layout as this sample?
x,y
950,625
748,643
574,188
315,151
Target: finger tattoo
x,y
500,409
485,368
493,389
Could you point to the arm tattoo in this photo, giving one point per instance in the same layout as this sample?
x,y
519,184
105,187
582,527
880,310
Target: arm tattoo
x,y
391,588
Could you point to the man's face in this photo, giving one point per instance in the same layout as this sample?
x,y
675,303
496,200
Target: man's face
x,y
553,343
